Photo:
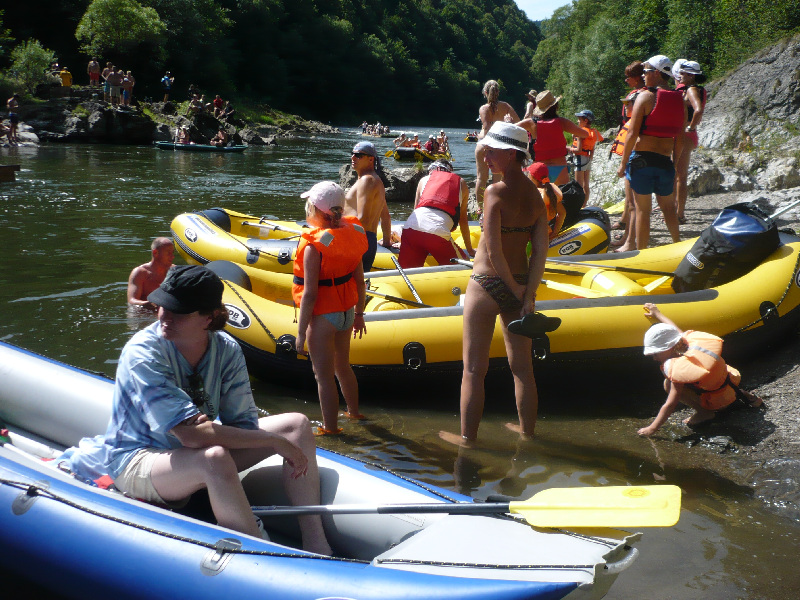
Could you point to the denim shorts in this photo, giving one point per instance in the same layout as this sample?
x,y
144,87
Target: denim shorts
x,y
651,173
342,321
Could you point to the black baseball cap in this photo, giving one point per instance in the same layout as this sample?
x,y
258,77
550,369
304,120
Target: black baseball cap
x,y
188,288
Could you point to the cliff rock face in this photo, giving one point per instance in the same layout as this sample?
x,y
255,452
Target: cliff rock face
x,y
760,99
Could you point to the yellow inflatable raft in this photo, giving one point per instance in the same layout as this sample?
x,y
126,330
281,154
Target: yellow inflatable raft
x,y
221,234
598,299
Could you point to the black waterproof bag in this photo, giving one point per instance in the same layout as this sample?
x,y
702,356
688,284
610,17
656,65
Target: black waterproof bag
x,y
572,201
738,240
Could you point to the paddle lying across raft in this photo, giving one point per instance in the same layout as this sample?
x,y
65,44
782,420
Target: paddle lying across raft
x,y
86,538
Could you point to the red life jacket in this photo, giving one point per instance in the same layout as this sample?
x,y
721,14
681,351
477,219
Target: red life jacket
x,y
443,192
341,250
550,142
666,118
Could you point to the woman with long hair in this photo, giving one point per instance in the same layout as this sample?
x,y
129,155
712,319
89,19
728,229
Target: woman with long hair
x,y
494,110
689,76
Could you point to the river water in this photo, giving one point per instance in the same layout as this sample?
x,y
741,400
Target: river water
x,y
80,217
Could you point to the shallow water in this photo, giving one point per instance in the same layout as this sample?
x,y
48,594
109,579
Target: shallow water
x,y
80,217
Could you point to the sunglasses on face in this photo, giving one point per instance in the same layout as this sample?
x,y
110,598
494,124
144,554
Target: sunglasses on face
x,y
649,70
359,154
196,390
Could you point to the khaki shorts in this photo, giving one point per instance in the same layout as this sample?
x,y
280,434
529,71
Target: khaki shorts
x,y
135,481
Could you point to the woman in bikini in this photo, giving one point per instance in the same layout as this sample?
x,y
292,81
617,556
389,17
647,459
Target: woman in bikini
x,y
550,145
503,282
493,111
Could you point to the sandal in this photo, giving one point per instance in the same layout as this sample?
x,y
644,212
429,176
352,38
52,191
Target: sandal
x,y
320,430
357,416
682,220
619,226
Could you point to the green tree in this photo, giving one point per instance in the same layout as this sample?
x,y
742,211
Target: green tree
x,y
118,26
30,64
6,38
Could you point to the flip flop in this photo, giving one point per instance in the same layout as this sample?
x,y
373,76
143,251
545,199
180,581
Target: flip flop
x,y
357,416
319,431
682,220
619,226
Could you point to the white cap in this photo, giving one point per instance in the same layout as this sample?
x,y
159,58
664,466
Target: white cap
x,y
325,195
661,63
691,66
659,338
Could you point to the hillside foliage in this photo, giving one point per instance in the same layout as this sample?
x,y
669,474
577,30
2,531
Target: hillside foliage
x,y
397,61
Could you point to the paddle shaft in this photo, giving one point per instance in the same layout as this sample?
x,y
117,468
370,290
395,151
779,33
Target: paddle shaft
x,y
385,509
398,299
406,279
786,208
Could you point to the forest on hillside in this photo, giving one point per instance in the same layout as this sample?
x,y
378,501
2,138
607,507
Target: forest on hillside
x,y
397,61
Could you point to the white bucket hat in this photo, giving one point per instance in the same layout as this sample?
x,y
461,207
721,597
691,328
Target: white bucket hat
x,y
505,136
659,338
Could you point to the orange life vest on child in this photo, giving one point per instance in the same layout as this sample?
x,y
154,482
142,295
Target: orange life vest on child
x,y
589,142
550,142
666,118
702,368
341,250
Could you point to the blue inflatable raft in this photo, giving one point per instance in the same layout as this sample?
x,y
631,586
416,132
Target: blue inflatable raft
x,y
83,541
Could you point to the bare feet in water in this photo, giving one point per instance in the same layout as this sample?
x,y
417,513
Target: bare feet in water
x,y
517,429
456,439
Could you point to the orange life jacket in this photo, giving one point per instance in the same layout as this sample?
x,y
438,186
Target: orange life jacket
x,y
702,368
550,142
589,142
341,250
666,118
618,145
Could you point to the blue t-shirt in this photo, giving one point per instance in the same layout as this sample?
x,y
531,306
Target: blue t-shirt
x,y
151,396
166,82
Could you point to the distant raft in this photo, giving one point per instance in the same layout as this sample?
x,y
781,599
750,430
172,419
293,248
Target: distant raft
x,y
200,147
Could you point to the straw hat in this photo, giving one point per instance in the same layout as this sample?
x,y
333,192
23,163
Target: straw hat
x,y
544,101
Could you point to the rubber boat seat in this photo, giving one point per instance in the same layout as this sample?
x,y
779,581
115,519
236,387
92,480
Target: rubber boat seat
x,y
614,283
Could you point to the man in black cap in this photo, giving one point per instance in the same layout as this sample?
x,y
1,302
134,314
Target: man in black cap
x,y
184,418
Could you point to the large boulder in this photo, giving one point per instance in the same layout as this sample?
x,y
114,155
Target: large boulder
x,y
760,99
401,184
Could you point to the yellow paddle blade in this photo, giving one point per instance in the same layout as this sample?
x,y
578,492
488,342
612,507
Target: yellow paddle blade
x,y
654,284
388,153
612,506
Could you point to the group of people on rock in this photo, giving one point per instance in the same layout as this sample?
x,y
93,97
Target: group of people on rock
x,y
117,83
219,108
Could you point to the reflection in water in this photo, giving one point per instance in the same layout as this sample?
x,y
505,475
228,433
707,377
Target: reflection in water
x,y
79,218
